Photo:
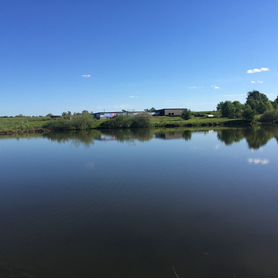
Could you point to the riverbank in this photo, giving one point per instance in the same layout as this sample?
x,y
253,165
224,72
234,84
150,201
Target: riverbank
x,y
29,125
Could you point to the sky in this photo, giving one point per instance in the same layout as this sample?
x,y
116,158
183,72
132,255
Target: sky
x,y
109,55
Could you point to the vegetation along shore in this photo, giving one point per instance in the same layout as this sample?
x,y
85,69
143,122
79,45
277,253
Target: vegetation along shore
x,y
258,109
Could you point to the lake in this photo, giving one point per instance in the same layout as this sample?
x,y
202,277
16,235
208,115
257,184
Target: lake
x,y
141,203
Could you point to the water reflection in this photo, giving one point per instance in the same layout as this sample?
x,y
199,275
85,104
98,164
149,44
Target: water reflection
x,y
174,203
255,138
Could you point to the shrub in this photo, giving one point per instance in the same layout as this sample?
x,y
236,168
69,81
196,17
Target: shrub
x,y
81,122
270,117
248,114
141,121
186,114
138,121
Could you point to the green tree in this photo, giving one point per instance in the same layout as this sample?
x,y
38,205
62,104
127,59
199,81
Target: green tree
x,y
258,102
230,109
275,103
238,109
67,115
248,113
85,112
186,114
150,110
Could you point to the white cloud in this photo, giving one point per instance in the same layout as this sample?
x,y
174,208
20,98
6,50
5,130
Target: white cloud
x,y
133,96
258,161
87,76
257,82
215,87
257,70
192,87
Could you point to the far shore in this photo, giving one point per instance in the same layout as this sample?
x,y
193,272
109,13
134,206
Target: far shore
x,y
40,125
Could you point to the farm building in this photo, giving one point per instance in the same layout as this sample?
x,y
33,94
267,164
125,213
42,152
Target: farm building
x,y
172,112
110,115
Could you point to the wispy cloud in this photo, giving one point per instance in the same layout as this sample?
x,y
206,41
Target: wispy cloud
x,y
257,70
257,82
193,87
258,161
133,96
86,76
215,87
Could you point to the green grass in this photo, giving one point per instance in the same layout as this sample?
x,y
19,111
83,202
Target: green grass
x,y
194,122
21,125
25,125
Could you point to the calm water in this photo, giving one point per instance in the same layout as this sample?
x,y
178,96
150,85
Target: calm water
x,y
162,203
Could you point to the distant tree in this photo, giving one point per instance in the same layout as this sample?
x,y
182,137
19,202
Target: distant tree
x,y
49,115
258,102
150,110
230,109
186,114
275,103
67,115
238,109
85,112
248,113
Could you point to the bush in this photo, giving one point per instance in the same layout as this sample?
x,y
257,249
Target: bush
x,y
141,121
248,114
270,117
120,122
186,114
81,122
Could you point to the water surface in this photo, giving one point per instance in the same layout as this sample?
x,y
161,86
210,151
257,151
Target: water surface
x,y
145,203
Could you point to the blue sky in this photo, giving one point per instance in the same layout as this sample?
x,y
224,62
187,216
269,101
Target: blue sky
x,y
133,54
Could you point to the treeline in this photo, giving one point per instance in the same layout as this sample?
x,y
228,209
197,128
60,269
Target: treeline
x,y
257,104
86,121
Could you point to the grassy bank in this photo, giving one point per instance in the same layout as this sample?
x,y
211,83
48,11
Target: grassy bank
x,y
195,122
25,125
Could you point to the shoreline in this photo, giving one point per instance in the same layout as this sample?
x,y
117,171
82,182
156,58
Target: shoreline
x,y
228,123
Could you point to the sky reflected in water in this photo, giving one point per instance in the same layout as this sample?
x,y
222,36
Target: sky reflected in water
x,y
145,203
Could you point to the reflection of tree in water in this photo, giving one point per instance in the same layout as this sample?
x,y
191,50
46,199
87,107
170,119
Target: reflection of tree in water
x,y
258,137
173,134
77,137
255,137
187,134
123,135
230,136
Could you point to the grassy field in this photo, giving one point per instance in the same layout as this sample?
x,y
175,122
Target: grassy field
x,y
23,125
194,122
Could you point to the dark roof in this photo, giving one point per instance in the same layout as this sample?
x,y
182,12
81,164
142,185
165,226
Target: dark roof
x,y
170,109
118,112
